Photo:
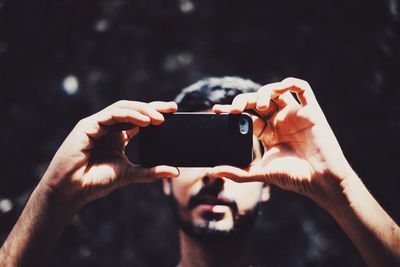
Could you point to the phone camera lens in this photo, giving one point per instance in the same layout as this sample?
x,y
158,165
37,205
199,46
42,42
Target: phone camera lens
x,y
243,126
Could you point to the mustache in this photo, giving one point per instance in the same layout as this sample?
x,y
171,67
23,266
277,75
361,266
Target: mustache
x,y
204,198
210,194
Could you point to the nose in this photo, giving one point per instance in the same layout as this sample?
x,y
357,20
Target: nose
x,y
212,185
210,178
207,179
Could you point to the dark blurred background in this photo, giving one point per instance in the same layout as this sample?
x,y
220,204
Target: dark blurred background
x,y
61,60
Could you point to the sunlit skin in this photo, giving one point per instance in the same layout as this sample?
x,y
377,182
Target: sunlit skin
x,y
301,149
91,162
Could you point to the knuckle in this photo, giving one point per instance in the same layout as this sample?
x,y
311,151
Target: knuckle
x,y
126,103
113,111
83,121
302,84
123,102
148,110
306,85
239,98
148,107
290,80
118,103
235,100
264,90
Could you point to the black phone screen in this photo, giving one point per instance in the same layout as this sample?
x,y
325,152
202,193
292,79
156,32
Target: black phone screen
x,y
195,139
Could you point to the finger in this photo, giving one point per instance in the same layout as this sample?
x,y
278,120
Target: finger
x,y
160,106
274,91
156,117
132,132
249,101
249,174
139,174
288,115
270,111
218,108
121,115
259,125
301,88
264,96
234,173
269,94
243,101
98,125
287,99
273,108
144,108
163,171
165,107
258,150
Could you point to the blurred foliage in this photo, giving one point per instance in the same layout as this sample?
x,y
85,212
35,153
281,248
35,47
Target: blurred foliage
x,y
63,60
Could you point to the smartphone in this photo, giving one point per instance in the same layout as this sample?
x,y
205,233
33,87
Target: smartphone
x,y
198,139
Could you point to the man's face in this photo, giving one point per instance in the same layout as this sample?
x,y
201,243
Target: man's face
x,y
213,205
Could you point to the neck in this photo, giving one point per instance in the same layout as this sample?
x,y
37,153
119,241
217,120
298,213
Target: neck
x,y
196,253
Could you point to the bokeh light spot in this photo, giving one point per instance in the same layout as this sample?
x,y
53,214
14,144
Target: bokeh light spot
x,y
186,6
174,62
5,205
70,85
102,25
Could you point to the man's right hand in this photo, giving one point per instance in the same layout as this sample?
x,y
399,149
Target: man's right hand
x,y
91,162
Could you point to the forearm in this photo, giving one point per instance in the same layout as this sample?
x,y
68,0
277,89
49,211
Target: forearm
x,y
375,235
38,229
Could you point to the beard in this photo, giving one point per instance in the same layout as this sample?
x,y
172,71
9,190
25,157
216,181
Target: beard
x,y
205,232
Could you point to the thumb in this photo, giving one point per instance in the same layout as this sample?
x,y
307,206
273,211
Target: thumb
x,y
252,173
138,174
259,125
277,162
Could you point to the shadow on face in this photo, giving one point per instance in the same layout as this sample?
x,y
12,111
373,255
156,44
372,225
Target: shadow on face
x,y
204,204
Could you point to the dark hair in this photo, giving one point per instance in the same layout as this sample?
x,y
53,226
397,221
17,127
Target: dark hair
x,y
207,92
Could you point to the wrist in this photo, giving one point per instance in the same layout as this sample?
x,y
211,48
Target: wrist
x,y
70,203
67,187
336,193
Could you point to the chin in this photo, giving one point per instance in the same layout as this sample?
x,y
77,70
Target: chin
x,y
221,225
226,229
215,222
205,226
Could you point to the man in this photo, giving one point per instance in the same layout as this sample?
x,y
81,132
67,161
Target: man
x,y
301,155
215,214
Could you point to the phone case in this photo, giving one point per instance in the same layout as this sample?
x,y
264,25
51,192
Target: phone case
x,y
196,139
